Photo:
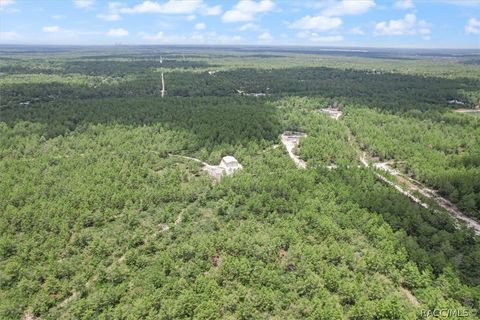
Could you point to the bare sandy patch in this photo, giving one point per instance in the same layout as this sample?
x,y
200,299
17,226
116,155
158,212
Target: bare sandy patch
x,y
291,140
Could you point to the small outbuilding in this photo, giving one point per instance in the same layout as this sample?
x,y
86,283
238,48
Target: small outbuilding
x,y
230,165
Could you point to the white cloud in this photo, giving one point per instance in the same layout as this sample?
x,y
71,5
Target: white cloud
x,y
255,7
348,7
151,37
6,5
317,23
8,35
200,26
194,38
197,37
315,37
60,36
114,5
327,39
177,7
245,10
249,26
119,32
109,17
145,7
423,27
461,3
113,12
174,7
357,31
83,3
210,11
404,4
473,26
237,16
58,17
406,26
228,39
51,29
266,36
191,17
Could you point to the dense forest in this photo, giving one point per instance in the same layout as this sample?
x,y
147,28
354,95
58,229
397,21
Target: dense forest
x,y
101,218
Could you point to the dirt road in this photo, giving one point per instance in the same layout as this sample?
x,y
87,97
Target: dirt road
x,y
414,185
163,86
291,140
189,158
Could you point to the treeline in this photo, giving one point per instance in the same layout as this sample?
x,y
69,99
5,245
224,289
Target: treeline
x,y
213,121
117,66
108,67
383,90
392,91
181,84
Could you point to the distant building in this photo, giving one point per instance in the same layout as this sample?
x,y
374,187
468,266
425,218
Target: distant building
x,y
257,94
455,101
253,94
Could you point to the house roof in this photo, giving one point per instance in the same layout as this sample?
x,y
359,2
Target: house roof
x,y
229,159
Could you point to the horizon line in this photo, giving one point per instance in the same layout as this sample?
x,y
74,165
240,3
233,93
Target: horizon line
x,y
239,45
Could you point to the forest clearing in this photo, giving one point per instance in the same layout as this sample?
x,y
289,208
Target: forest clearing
x,y
228,165
473,111
291,141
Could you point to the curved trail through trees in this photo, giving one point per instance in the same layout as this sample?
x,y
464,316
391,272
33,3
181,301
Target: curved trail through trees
x,y
189,158
416,186
364,161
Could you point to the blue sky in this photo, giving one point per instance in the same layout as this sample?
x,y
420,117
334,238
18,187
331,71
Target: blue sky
x,y
377,23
